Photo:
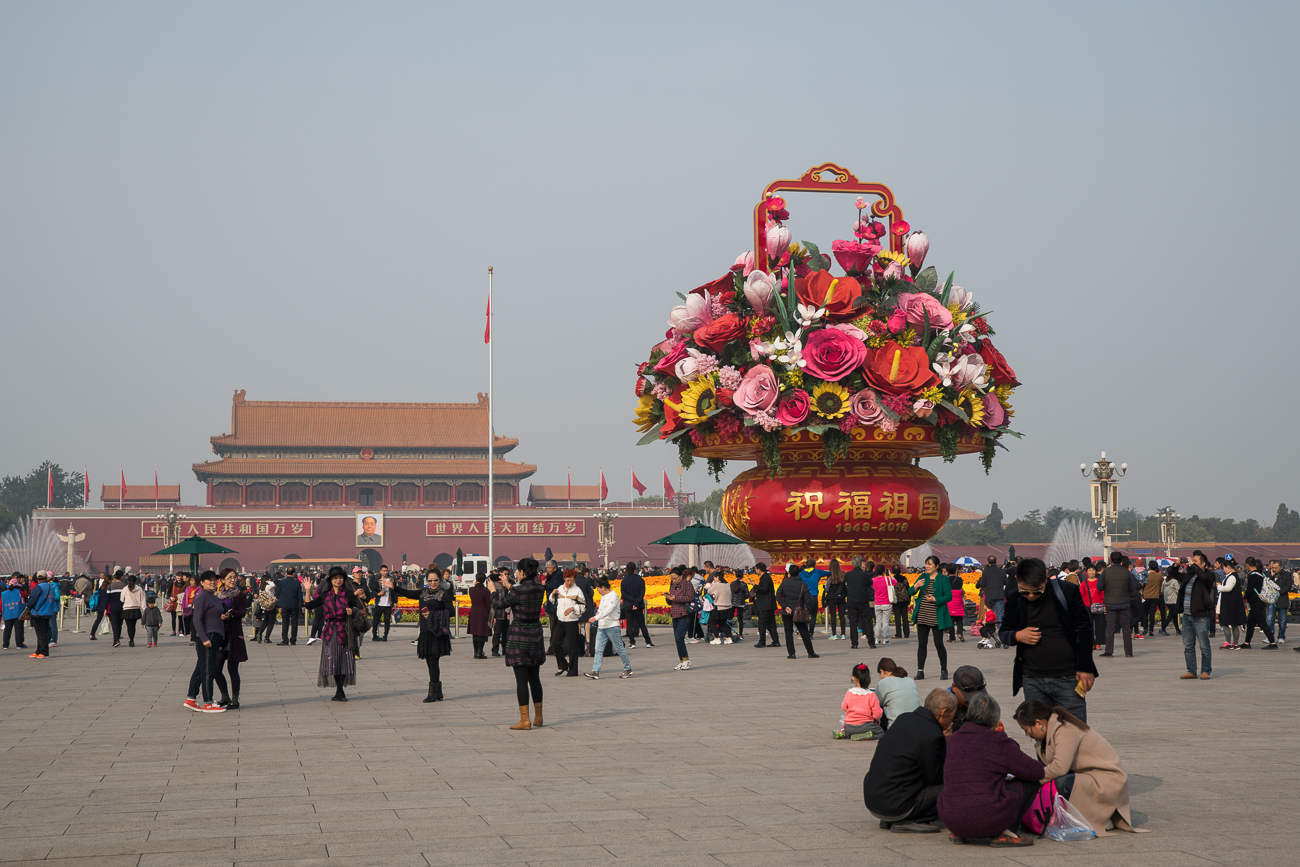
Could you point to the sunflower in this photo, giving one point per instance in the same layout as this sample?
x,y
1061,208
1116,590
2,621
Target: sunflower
x,y
830,400
698,401
646,416
891,256
973,403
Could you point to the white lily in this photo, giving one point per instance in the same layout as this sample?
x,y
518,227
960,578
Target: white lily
x,y
791,349
808,314
943,367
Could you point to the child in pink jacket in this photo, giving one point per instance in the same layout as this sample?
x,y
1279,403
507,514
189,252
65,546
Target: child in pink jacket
x,y
862,711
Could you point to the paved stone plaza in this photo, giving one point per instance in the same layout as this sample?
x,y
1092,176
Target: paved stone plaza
x,y
729,764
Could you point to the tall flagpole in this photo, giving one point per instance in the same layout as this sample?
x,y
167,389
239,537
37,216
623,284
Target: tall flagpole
x,y
491,485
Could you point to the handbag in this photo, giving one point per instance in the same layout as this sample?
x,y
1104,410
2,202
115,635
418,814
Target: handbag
x,y
1268,590
169,603
891,590
1041,810
800,613
1097,608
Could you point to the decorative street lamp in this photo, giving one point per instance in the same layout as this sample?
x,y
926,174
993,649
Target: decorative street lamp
x,y
605,532
1105,496
1168,529
171,535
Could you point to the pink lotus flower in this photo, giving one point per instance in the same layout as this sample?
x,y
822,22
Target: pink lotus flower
x,y
694,365
760,290
744,263
685,318
994,415
970,370
793,407
853,257
913,308
916,246
758,391
831,354
893,271
866,408
960,298
778,240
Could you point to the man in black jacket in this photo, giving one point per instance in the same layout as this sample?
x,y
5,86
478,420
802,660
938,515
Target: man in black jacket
x,y
764,596
1051,629
992,583
288,599
1196,591
861,596
632,598
902,787
1116,585
554,578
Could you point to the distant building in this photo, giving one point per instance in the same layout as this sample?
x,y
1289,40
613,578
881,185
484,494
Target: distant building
x,y
964,518
561,496
140,496
305,454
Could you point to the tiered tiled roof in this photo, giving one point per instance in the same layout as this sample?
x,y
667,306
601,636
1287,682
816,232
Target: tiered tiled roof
x,y
561,493
322,424
274,468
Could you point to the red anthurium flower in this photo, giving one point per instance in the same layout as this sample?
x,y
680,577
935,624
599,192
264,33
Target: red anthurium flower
x,y
723,282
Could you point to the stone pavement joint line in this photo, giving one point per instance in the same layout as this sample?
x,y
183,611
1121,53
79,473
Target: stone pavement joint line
x,y
728,765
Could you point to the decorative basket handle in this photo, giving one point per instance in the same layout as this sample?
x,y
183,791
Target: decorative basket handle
x,y
842,181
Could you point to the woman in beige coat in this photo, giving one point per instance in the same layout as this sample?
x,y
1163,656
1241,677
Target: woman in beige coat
x,y
1067,746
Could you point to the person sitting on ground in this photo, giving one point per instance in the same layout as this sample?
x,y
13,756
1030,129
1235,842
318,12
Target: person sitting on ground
x,y
988,783
967,682
861,706
903,785
1086,768
896,691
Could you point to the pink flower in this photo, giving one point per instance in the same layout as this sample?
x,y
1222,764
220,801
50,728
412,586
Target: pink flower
x,y
766,421
870,231
662,390
668,364
757,391
866,408
695,365
994,415
848,422
900,227
744,263
914,306
899,404
729,377
831,354
853,257
778,240
916,247
727,424
760,290
850,329
685,318
793,407
760,349
893,271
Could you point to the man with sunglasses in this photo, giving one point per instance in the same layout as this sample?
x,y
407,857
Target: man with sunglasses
x,y
1051,628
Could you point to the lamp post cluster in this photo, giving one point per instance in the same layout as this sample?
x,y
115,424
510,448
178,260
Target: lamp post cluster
x,y
172,522
1168,529
605,532
1105,496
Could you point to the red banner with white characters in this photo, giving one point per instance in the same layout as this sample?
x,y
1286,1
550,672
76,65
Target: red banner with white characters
x,y
442,527
245,527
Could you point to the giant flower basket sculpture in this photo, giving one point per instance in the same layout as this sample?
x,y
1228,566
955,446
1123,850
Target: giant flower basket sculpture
x,y
836,384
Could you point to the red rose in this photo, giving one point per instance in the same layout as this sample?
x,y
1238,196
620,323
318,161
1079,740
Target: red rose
x,y
894,369
999,371
672,420
668,364
724,396
719,332
843,291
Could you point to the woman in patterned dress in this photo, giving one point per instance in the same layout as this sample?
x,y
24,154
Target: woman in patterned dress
x,y
525,651
336,660
437,602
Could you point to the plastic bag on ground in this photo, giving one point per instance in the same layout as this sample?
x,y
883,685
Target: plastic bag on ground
x,y
1068,824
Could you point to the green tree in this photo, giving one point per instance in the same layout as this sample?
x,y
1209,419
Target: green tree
x,y
1286,526
697,510
1055,515
20,495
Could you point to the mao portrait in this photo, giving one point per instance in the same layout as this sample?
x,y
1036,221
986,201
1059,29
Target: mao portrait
x,y
370,529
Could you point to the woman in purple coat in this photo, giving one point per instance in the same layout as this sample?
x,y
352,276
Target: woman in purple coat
x,y
977,798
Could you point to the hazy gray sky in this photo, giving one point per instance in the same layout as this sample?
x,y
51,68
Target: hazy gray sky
x,y
302,199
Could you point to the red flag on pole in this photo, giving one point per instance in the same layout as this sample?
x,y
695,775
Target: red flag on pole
x,y
49,486
636,484
487,329
669,493
568,481
604,488
86,476
155,486
121,491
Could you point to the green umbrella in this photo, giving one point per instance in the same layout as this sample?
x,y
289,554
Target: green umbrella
x,y
698,534
695,535
194,546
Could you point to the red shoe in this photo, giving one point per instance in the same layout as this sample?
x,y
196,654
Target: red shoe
x,y
213,708
192,704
